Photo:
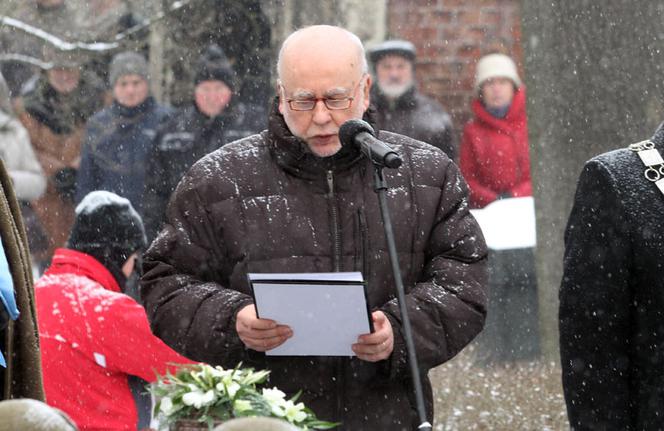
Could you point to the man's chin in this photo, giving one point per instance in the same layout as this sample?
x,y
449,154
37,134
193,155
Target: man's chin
x,y
324,150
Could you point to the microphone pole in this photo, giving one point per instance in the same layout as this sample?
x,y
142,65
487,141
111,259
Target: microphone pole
x,y
380,187
360,134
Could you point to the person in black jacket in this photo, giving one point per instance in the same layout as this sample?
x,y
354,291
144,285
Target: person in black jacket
x,y
400,107
612,294
214,118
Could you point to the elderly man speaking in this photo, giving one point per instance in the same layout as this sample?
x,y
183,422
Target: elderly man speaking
x,y
293,199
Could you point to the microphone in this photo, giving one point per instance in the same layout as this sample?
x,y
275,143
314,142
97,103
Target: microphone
x,y
361,134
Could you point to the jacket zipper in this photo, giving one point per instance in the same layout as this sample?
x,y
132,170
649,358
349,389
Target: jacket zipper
x,y
336,231
362,244
336,258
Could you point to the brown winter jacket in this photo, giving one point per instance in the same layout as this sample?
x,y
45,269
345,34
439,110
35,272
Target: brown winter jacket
x,y
266,204
23,376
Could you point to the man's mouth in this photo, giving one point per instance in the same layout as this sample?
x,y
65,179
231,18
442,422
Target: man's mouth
x,y
324,139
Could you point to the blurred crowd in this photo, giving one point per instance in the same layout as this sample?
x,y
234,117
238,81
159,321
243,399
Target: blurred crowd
x,y
78,122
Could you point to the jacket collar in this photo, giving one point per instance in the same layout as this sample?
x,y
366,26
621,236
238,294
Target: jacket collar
x,y
516,116
68,261
130,112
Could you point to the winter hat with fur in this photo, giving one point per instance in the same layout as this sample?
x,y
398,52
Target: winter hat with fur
x,y
214,66
496,66
108,228
127,63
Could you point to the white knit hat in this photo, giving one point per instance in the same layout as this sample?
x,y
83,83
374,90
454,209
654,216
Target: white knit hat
x,y
496,66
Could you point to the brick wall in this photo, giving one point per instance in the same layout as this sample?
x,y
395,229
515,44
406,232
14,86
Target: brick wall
x,y
450,36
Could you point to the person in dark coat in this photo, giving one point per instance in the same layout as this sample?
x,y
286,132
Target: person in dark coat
x,y
120,138
400,107
612,293
214,118
292,199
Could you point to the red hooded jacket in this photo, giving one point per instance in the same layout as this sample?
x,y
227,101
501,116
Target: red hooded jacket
x,y
494,155
92,338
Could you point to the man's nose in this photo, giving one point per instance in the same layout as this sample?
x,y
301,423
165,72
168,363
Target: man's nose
x,y
321,113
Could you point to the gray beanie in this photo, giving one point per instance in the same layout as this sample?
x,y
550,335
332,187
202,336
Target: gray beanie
x,y
32,415
127,63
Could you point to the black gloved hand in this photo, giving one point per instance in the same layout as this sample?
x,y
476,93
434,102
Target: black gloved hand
x,y
65,183
504,195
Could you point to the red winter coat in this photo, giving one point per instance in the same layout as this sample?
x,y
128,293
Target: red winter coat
x,y
92,338
494,153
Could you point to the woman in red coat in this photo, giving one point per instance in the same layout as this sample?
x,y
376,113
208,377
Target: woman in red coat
x,y
495,161
494,150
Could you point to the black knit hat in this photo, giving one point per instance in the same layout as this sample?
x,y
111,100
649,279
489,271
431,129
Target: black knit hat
x,y
214,66
108,228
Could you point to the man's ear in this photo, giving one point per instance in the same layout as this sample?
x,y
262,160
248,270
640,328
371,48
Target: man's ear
x,y
367,92
280,95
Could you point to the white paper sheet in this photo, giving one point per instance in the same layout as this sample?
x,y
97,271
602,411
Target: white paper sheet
x,y
508,223
326,314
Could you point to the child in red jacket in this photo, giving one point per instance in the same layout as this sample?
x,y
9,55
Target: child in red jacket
x,y
93,335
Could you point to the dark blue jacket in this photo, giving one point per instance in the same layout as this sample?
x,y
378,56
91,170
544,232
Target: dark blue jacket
x,y
118,142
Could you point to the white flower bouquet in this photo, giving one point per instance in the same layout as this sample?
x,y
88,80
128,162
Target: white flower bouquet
x,y
210,394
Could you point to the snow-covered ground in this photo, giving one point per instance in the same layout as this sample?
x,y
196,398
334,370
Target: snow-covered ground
x,y
513,396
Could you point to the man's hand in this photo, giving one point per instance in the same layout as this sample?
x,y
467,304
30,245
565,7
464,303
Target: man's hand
x,y
378,345
260,334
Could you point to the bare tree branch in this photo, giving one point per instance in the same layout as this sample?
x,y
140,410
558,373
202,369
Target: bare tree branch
x,y
99,47
26,59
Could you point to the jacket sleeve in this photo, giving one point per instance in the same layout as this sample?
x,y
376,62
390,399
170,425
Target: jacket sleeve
x,y
469,163
447,307
184,288
595,306
28,177
129,346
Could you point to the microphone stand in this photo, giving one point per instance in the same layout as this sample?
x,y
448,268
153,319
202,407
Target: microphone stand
x,y
380,187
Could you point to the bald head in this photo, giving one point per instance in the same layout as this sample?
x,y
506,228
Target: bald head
x,y
322,42
324,68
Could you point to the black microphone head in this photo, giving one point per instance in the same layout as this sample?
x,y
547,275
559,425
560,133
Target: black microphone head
x,y
351,128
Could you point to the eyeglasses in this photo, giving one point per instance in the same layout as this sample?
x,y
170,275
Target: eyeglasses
x,y
331,103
